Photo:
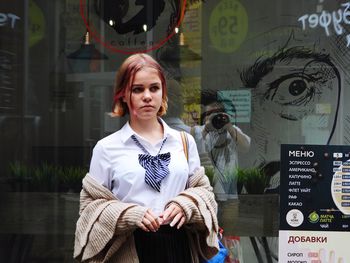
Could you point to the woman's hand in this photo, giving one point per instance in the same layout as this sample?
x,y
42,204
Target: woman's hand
x,y
173,214
149,222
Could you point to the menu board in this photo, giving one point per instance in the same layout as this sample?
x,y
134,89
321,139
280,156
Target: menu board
x,y
314,203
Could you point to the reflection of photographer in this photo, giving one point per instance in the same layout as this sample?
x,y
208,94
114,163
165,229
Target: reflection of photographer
x,y
221,140
218,123
219,120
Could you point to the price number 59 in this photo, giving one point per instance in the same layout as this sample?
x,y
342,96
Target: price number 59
x,y
228,25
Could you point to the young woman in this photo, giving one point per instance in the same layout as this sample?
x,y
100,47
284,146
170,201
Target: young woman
x,y
143,200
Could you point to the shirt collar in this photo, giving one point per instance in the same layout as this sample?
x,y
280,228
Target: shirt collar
x,y
126,131
168,132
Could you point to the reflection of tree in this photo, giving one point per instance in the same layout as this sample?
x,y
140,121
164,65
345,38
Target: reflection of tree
x,y
171,57
176,6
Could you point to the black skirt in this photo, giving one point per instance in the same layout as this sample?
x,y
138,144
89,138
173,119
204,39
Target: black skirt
x,y
167,245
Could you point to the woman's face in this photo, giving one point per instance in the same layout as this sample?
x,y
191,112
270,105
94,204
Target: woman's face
x,y
144,97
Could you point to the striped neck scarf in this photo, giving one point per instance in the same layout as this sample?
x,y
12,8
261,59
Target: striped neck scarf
x,y
156,167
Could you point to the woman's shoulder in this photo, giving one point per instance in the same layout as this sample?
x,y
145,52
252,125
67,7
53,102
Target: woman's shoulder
x,y
186,137
176,131
111,139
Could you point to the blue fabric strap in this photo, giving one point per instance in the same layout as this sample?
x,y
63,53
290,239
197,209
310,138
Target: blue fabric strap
x,y
156,167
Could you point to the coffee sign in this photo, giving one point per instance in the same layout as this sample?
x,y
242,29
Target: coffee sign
x,y
132,26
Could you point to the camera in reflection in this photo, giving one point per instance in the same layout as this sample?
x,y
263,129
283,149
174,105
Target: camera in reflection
x,y
219,120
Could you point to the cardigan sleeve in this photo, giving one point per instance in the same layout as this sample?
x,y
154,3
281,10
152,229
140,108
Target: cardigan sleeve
x,y
200,208
102,219
198,201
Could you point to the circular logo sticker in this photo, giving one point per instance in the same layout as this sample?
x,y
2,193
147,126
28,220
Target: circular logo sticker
x,y
313,217
295,218
129,27
228,25
36,24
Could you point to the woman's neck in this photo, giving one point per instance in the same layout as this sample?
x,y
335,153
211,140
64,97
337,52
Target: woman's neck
x,y
152,130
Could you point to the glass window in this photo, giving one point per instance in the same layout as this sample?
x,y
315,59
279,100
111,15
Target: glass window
x,y
243,78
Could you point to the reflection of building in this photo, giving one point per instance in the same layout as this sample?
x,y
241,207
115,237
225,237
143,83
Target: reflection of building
x,y
50,111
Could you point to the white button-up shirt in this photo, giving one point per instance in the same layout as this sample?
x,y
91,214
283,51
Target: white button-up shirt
x,y
115,165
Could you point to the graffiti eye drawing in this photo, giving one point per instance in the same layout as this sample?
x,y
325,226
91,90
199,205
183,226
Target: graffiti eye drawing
x,y
292,82
292,89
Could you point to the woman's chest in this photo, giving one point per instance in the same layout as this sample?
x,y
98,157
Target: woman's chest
x,y
128,167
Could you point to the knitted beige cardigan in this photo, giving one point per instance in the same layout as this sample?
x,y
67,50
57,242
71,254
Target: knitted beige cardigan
x,y
104,230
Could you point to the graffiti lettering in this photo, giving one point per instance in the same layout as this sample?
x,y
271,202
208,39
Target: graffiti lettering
x,y
7,82
325,21
9,18
337,18
326,18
